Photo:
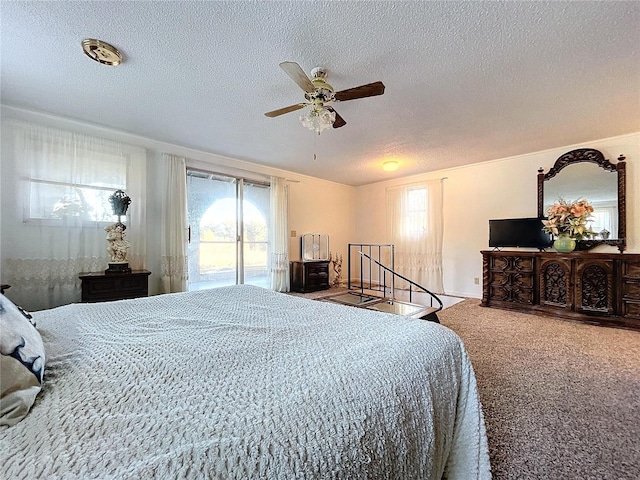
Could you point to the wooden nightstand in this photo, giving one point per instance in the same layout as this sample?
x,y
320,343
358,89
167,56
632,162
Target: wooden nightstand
x,y
101,287
309,276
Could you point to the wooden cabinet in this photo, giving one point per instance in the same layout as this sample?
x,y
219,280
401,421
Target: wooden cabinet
x,y
554,278
601,288
105,287
594,286
309,276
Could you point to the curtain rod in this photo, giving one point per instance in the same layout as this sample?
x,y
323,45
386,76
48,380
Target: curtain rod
x,y
417,183
209,173
239,172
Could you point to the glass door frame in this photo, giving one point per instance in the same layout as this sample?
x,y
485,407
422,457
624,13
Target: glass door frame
x,y
240,184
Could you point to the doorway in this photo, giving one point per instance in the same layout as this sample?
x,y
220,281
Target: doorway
x,y
229,230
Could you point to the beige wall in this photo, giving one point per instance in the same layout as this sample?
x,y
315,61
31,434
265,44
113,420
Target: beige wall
x,y
504,188
316,206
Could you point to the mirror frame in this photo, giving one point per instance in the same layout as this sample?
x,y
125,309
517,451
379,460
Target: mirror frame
x,y
593,156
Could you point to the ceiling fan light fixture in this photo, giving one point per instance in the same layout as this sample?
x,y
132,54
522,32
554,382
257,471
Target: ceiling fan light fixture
x,y
318,119
317,93
390,166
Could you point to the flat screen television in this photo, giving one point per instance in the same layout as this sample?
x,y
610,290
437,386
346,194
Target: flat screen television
x,y
518,232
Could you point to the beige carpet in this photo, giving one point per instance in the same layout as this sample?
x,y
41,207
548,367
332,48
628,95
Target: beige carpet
x,y
561,399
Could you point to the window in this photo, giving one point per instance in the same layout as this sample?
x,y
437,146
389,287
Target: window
x,y
70,176
415,227
604,217
415,219
76,193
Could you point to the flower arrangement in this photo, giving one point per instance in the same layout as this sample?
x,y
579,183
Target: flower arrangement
x,y
569,218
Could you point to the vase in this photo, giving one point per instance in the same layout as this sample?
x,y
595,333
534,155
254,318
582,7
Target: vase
x,y
564,243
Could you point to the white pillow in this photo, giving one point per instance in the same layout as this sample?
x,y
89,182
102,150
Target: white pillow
x,y
21,363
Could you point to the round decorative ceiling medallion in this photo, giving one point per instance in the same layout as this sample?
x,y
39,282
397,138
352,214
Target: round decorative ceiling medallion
x,y
102,52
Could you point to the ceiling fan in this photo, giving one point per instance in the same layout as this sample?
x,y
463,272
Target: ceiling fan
x,y
317,93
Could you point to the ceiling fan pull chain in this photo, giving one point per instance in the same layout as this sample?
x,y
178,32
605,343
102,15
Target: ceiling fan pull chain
x,y
315,146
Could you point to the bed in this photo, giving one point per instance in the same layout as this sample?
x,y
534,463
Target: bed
x,y
242,382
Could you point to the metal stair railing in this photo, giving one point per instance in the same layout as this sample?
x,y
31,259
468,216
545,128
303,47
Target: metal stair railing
x,y
411,283
379,276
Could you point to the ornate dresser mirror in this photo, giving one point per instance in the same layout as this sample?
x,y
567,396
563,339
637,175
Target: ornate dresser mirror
x,y
585,173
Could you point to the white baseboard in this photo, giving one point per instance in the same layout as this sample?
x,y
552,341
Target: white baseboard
x,y
464,294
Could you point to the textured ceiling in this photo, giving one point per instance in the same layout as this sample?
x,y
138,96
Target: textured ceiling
x,y
465,81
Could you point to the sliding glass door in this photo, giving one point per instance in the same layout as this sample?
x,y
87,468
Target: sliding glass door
x,y
229,219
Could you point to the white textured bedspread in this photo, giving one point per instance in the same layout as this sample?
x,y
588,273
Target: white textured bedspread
x,y
241,383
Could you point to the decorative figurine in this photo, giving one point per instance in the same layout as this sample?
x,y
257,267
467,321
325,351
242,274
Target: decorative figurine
x,y
118,245
337,268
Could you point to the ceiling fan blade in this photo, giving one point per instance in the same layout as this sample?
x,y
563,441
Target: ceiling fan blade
x,y
368,90
339,121
282,111
297,74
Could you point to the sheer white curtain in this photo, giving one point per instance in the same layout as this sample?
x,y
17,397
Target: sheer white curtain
x,y
174,226
415,227
55,204
279,235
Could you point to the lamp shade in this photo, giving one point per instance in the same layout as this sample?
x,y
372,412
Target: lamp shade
x,y
318,119
119,202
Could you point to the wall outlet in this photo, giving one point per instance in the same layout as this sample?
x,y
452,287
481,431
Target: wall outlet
x,y
294,233
476,280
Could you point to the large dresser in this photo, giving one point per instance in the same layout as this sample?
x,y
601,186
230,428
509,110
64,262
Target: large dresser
x,y
599,288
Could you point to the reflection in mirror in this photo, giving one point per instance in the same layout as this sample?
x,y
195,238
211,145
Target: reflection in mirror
x,y
584,173
588,181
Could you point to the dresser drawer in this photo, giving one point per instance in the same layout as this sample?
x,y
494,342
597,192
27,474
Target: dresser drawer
x,y
135,282
519,279
631,289
631,270
100,286
631,309
313,282
318,271
511,294
512,264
